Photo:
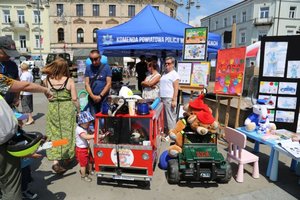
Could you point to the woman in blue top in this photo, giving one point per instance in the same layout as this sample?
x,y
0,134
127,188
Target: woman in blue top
x,y
97,82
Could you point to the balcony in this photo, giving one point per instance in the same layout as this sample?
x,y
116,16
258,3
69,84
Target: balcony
x,y
23,50
263,21
20,26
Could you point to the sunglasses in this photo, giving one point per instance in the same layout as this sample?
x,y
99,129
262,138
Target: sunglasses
x,y
168,63
94,59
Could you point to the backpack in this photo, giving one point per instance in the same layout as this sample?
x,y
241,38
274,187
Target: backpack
x,y
8,122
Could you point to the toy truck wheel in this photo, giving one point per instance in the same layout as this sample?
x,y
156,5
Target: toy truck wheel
x,y
173,176
228,174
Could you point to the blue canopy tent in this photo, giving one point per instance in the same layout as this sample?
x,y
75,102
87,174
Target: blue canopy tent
x,y
150,32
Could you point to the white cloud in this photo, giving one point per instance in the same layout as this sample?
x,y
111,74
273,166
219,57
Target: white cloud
x,y
196,21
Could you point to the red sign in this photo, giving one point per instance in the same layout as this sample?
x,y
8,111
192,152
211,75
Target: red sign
x,y
230,71
202,154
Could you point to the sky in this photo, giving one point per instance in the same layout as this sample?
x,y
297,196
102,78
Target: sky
x,y
207,7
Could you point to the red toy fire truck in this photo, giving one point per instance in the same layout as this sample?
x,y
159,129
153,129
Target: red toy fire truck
x,y
126,147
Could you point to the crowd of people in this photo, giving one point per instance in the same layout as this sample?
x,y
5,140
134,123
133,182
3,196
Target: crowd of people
x,y
64,119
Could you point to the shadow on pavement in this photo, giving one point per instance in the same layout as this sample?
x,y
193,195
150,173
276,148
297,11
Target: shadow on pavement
x,y
38,115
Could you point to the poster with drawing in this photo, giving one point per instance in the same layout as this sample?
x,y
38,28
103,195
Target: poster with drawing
x,y
287,88
293,70
284,116
274,59
230,71
271,115
287,102
200,74
197,35
268,87
272,101
195,52
184,70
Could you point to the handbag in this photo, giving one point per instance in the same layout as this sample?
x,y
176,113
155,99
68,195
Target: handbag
x,y
8,122
92,81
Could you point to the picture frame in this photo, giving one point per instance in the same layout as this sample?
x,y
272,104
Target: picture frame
x,y
185,70
197,35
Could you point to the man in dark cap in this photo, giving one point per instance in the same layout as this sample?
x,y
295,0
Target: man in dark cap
x,y
141,70
8,67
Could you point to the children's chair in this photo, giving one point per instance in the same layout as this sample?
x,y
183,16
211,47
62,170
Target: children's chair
x,y
236,144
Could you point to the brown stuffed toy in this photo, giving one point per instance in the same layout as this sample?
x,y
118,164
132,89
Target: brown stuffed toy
x,y
195,106
176,135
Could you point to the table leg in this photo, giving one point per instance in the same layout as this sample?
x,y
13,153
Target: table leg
x,y
256,147
274,167
270,162
293,165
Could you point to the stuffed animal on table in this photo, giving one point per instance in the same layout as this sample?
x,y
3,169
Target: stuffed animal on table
x,y
259,119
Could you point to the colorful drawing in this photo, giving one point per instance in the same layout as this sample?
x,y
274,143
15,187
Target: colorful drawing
x,y
272,99
287,102
194,52
268,87
230,71
284,116
274,59
293,70
185,70
200,74
196,35
289,88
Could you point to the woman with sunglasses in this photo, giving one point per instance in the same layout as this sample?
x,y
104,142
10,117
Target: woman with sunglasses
x,y
169,84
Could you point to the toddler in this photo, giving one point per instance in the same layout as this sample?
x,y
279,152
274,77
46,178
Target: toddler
x,y
83,153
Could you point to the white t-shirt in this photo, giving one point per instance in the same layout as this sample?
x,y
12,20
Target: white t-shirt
x,y
26,76
166,84
80,142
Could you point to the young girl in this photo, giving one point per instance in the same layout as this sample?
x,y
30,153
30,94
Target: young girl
x,y
83,155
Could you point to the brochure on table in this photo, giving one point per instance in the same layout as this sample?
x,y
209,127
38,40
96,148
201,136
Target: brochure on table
x,y
230,71
279,78
291,147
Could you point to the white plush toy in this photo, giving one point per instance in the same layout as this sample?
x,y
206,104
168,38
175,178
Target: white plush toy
x,y
259,119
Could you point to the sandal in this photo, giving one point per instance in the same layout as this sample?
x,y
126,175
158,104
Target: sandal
x,y
58,169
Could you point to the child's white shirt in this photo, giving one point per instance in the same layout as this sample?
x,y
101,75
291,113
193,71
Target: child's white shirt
x,y
81,142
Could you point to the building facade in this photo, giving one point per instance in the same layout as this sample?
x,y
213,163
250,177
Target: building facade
x,y
74,23
254,19
27,23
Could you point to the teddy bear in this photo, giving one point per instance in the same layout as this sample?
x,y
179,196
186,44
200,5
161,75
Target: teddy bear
x,y
195,106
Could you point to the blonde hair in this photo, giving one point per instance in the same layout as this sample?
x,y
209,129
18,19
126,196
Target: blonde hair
x,y
24,66
57,69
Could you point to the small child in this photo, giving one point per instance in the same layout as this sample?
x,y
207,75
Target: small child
x,y
83,155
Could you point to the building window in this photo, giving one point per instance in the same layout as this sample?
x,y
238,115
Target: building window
x,y
80,35
217,24
244,17
79,10
225,22
243,37
290,32
38,41
60,35
261,35
156,7
36,16
234,19
292,12
95,35
112,10
264,12
131,11
172,12
59,9
96,10
21,16
22,41
6,14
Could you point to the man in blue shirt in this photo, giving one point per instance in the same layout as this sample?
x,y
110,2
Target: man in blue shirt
x,y
97,82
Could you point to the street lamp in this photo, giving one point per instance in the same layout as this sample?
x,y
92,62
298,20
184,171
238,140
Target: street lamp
x,y
188,5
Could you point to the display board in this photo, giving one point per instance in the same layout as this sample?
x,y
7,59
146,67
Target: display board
x,y
193,73
279,77
230,71
195,44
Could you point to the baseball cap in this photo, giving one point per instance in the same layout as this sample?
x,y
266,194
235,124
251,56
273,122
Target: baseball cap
x,y
8,46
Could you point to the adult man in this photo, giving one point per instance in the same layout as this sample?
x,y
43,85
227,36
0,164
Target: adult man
x,y
9,68
141,70
97,82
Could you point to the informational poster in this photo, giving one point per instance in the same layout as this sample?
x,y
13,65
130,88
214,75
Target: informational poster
x,y
184,70
195,44
279,78
230,71
200,74
274,59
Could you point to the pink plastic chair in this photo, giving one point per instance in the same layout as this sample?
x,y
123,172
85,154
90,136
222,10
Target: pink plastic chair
x,y
236,144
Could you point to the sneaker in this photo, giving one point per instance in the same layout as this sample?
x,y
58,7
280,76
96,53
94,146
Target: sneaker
x,y
29,195
86,178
